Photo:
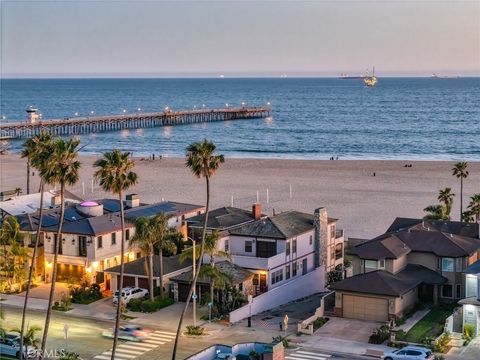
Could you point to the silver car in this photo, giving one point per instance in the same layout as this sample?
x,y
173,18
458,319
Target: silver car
x,y
409,353
11,347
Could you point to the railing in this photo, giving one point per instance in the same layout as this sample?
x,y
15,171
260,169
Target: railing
x,y
338,233
252,262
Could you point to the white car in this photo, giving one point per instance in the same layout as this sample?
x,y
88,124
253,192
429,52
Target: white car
x,y
129,293
409,353
128,332
10,346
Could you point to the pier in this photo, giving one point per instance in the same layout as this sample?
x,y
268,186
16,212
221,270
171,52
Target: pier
x,y
94,124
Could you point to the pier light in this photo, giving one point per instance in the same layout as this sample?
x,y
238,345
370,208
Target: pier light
x,y
139,109
268,103
92,112
166,108
226,105
124,111
76,113
4,117
194,106
203,106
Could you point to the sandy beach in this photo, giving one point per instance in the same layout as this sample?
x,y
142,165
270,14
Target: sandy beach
x,y
365,204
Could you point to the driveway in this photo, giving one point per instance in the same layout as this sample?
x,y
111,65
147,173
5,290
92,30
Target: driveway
x,y
347,329
42,291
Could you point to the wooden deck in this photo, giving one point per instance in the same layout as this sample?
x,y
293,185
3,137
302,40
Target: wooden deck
x,y
86,125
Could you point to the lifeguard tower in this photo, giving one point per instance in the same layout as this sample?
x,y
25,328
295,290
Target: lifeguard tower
x,y
32,115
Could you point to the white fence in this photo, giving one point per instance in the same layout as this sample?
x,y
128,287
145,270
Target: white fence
x,y
305,285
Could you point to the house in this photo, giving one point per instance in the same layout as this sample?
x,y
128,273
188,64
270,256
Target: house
x,y
415,260
135,272
239,278
91,234
471,302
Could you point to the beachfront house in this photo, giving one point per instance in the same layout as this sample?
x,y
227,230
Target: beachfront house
x,y
91,234
415,260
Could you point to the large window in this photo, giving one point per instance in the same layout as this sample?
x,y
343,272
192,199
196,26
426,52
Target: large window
x,y
447,264
248,246
287,272
82,245
370,265
277,276
459,264
99,242
447,291
127,234
266,249
332,232
294,269
294,246
287,249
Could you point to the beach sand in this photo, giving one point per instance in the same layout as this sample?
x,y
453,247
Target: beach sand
x,y
364,204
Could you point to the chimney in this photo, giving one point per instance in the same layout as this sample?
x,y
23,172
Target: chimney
x,y
56,200
320,222
132,200
257,211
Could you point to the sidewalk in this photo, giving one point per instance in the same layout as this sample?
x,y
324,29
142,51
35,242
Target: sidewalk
x,y
342,346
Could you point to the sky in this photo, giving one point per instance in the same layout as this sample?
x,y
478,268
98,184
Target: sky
x,y
238,38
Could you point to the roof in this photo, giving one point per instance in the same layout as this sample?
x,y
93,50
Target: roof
x,y
450,227
282,226
170,208
236,273
473,268
406,235
381,282
222,218
137,267
26,204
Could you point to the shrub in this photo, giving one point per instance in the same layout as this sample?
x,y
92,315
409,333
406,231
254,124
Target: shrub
x,y
86,295
400,335
254,355
195,330
63,304
70,355
379,335
468,332
441,345
281,339
147,305
319,322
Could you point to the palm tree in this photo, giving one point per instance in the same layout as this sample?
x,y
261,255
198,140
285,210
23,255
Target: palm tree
x,y
163,241
30,337
445,196
18,191
38,150
61,167
115,175
213,251
9,237
474,206
144,239
435,212
460,171
203,163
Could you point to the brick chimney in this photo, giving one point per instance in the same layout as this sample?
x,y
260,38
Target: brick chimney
x,y
257,211
320,221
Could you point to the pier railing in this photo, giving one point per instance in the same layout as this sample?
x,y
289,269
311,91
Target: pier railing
x,y
93,124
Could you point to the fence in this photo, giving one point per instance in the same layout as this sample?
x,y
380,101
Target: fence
x,y
311,283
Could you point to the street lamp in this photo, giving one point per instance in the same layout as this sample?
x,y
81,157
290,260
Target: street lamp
x,y
194,294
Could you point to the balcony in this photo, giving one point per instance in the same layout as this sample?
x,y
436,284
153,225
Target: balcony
x,y
252,262
339,234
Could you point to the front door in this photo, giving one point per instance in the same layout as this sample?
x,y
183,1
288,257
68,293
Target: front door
x,y
304,266
263,283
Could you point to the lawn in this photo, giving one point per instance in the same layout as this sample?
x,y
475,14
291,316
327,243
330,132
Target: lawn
x,y
430,325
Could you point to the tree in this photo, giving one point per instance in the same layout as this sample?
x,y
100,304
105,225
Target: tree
x,y
460,172
38,150
202,161
144,238
115,176
163,241
435,212
18,191
30,336
445,196
61,167
474,207
9,239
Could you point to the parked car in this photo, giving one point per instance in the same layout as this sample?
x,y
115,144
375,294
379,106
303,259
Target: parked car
x,y
10,346
129,293
128,332
409,353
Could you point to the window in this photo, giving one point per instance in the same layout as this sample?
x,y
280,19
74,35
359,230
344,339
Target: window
x,y
447,264
139,254
227,246
294,246
287,250
413,353
82,245
99,242
127,234
248,246
332,232
294,269
277,276
458,264
381,264
114,238
370,264
458,292
287,272
311,240
447,291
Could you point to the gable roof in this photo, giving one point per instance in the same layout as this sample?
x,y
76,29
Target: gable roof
x,y
222,218
137,267
451,227
381,282
382,247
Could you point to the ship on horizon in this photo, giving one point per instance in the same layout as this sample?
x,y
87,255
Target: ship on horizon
x,y
370,81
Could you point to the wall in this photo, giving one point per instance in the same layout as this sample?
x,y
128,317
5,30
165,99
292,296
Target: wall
x,y
405,302
309,284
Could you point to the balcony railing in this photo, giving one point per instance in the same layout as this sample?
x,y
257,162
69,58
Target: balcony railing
x,y
252,262
338,233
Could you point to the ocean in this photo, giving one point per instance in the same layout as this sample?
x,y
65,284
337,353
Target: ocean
x,y
312,118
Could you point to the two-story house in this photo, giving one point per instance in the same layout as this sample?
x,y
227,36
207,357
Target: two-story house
x,y
414,260
471,303
91,234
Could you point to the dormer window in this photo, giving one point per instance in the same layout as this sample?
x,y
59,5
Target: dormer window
x,y
381,264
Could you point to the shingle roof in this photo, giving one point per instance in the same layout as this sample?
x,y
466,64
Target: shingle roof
x,y
282,226
137,267
236,273
222,218
383,247
381,282
450,227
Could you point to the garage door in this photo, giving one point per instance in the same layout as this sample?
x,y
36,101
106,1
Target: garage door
x,y
143,283
128,281
365,308
67,271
